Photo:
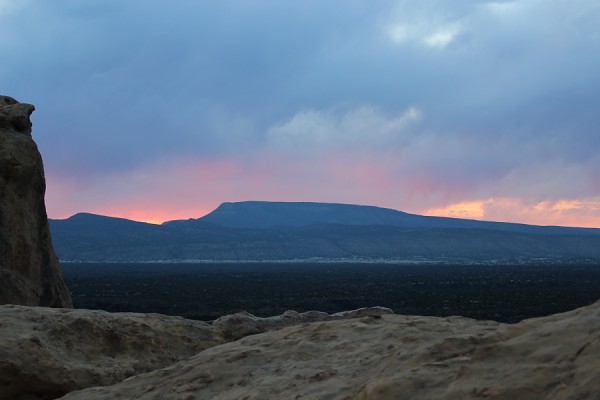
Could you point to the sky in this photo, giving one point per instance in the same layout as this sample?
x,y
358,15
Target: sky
x,y
156,110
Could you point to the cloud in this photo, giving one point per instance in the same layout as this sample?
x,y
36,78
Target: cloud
x,y
181,189
9,6
154,192
323,131
430,36
502,7
360,155
570,212
442,37
412,105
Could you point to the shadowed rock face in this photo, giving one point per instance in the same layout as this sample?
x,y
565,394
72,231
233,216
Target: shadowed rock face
x,y
29,269
46,353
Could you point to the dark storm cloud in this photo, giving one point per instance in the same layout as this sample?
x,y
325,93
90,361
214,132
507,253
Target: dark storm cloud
x,y
142,78
467,95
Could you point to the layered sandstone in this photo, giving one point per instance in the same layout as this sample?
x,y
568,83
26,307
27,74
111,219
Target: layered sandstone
x,y
29,269
365,354
388,357
48,352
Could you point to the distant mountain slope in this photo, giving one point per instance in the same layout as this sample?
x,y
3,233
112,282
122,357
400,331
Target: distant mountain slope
x,y
99,222
305,231
263,214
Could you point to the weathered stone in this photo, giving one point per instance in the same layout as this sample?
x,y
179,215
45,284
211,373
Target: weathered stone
x,y
363,312
29,269
391,357
48,352
14,116
238,325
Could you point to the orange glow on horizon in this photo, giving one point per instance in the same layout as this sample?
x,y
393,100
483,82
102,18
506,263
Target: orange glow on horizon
x,y
575,213
187,189
156,216
138,215
465,210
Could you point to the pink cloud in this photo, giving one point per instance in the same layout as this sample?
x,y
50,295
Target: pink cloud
x,y
566,212
191,188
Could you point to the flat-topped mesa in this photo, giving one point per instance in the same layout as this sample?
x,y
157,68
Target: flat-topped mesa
x,y
29,269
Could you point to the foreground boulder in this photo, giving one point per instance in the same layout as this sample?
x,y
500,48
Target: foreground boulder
x,y
29,270
46,353
388,357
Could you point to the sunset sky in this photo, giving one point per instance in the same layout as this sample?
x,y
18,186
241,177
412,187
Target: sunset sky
x,y
156,110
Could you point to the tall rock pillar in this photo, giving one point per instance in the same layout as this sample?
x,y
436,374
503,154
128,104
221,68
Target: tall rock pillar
x,y
29,270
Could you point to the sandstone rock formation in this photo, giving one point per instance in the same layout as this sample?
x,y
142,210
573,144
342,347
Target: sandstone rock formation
x,y
47,352
29,270
388,357
239,325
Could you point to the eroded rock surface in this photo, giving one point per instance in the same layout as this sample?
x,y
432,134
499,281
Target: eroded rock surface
x,y
388,357
48,352
242,324
29,270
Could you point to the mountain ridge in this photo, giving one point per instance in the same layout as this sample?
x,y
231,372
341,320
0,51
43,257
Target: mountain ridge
x,y
269,231
217,217
353,214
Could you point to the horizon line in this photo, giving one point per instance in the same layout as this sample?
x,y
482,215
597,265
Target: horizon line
x,y
162,221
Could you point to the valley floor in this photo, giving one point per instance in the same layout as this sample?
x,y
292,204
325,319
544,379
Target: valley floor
x,y
507,293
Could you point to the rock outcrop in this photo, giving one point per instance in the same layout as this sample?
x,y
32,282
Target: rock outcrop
x,y
363,354
238,325
29,269
48,352
388,357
